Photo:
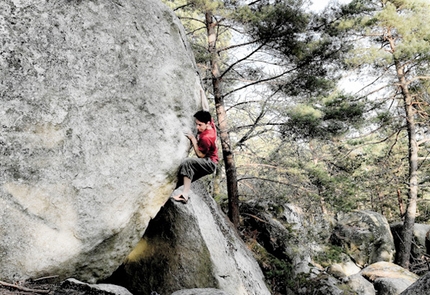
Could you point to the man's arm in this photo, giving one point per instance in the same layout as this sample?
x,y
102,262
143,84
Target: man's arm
x,y
193,140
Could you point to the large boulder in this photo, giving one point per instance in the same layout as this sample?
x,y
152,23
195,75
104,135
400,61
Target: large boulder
x,y
191,246
94,96
365,236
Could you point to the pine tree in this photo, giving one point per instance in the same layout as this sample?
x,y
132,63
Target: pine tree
x,y
392,45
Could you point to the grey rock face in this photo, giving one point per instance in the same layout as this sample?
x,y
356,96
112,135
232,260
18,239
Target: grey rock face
x,y
94,98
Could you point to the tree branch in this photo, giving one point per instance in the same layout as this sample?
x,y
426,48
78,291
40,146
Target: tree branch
x,y
423,141
242,59
418,78
24,288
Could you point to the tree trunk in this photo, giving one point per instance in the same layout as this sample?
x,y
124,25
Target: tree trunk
x,y
228,156
411,206
400,202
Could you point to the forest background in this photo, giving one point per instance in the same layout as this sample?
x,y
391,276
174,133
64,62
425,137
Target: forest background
x,y
328,110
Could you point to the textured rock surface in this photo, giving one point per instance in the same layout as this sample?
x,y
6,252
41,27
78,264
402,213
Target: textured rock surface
x,y
420,287
191,246
365,236
94,98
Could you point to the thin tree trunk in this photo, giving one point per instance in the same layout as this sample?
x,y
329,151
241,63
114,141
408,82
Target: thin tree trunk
x,y
381,206
400,202
228,156
411,206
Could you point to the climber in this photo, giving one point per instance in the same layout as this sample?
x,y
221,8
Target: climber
x,y
206,150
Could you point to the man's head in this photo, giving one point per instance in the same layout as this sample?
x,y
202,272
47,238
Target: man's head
x,y
203,116
203,120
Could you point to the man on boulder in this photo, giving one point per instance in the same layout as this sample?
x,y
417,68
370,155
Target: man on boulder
x,y
206,150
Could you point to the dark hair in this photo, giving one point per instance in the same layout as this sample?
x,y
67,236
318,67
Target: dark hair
x,y
203,116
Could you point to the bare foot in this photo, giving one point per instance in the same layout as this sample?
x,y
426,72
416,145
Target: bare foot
x,y
181,198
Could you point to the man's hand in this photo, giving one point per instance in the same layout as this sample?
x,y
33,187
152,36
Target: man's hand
x,y
191,137
193,140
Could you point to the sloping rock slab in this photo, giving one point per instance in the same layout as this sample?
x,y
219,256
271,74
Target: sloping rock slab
x,y
188,246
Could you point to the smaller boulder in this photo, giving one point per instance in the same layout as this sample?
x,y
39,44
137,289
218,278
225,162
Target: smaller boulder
x,y
95,289
200,291
345,268
360,285
389,270
366,237
391,286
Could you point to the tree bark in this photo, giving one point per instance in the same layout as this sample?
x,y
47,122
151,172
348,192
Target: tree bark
x,y
228,156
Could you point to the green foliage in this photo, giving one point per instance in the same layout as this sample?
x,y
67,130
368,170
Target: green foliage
x,y
404,20
332,254
304,120
278,23
334,117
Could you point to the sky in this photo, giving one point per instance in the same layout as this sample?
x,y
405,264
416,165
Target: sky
x,y
319,5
